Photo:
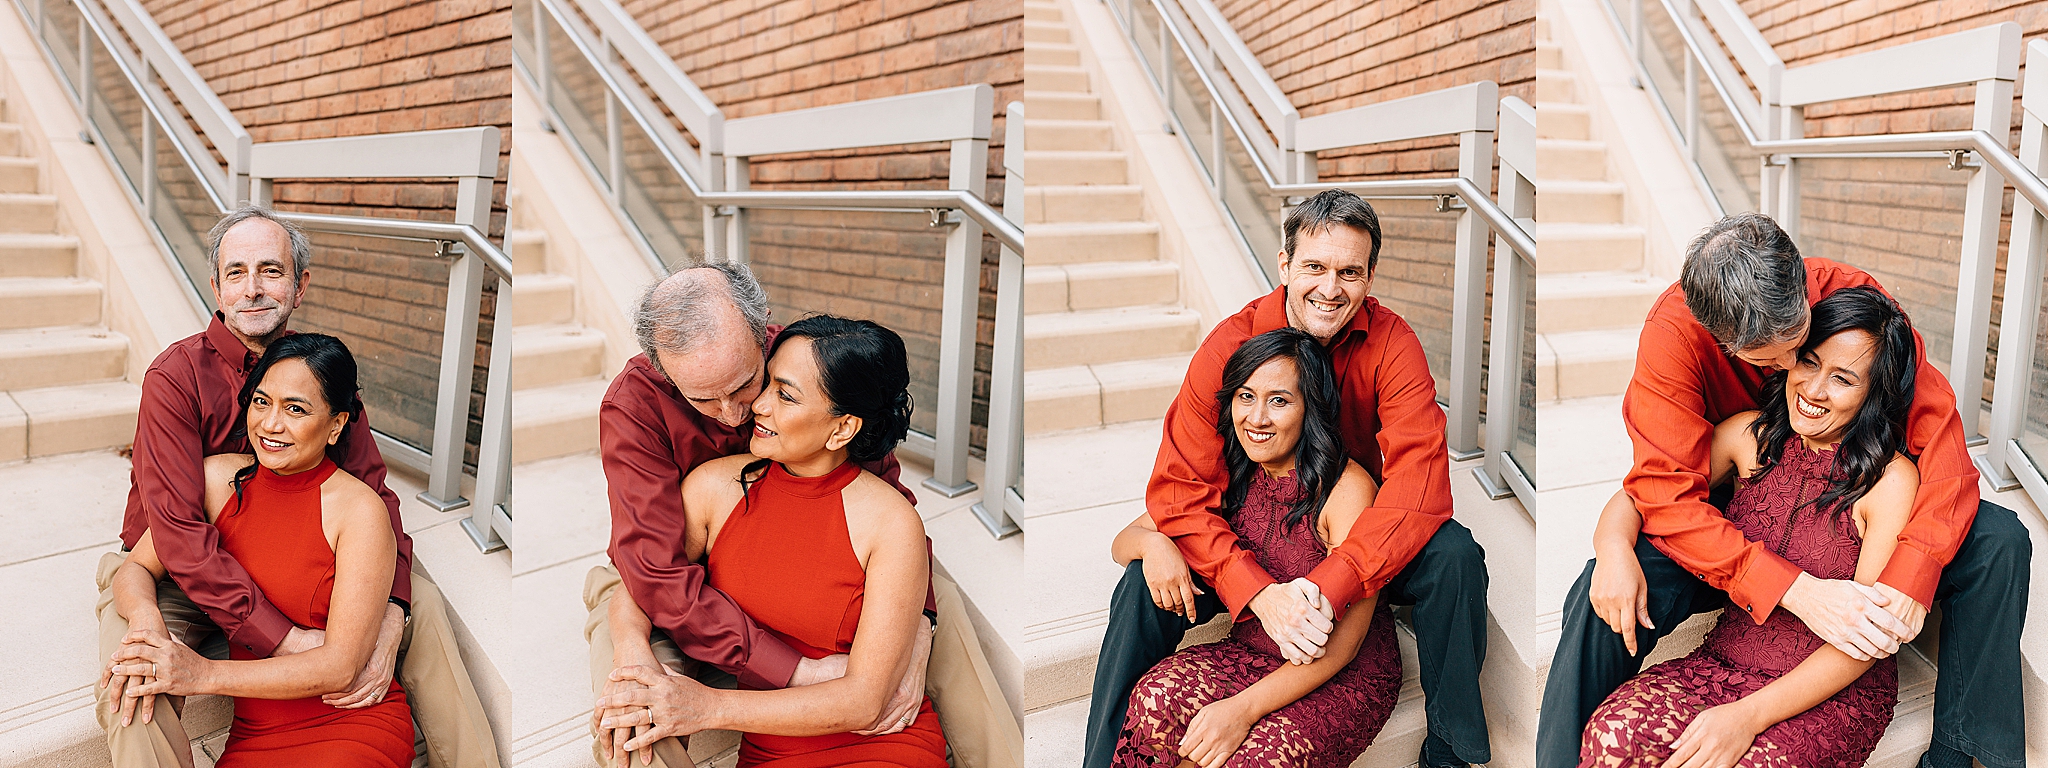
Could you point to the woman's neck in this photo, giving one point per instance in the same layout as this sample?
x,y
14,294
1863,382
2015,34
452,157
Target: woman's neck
x,y
295,467
815,465
1280,468
1819,444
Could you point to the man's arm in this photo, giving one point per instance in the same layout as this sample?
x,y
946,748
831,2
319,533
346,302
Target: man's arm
x,y
1414,497
1665,413
361,459
1188,480
645,485
170,479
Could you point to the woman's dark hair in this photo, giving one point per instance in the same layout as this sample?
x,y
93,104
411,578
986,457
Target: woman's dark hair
x,y
1878,430
1319,455
332,366
865,373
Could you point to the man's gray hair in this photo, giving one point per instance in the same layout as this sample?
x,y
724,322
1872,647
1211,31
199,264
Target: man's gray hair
x,y
677,313
302,249
1746,283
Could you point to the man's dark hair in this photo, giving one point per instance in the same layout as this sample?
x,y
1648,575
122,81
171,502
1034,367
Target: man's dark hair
x,y
1334,207
1745,282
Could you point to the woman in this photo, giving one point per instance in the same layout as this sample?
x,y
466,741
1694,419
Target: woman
x,y
319,544
1293,496
825,555
1819,480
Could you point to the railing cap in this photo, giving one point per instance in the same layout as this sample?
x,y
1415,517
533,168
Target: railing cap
x,y
1517,135
947,114
1460,109
1985,53
426,154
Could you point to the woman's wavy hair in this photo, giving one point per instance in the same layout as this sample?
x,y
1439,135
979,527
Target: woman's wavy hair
x,y
1878,429
1319,455
333,366
865,372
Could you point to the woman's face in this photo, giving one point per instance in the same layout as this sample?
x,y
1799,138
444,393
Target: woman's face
x,y
1827,386
290,423
793,418
1267,414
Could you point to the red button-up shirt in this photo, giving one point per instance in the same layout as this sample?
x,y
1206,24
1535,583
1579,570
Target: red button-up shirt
x,y
189,412
1390,424
650,438
1684,384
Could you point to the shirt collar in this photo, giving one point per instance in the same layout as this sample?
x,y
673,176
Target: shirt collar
x,y
229,346
1270,313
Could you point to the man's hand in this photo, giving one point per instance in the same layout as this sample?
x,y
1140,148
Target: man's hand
x,y
169,666
909,695
1218,729
1620,595
815,671
1850,616
671,705
1908,611
1166,575
1718,738
1299,620
614,739
300,640
373,681
127,706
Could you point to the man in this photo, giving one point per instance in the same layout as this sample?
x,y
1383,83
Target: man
x,y
1405,548
1740,311
188,411
688,399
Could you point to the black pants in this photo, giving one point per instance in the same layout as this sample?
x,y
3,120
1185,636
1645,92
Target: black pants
x,y
1978,698
1446,582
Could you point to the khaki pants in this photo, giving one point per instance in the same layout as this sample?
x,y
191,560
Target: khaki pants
x,y
444,701
979,727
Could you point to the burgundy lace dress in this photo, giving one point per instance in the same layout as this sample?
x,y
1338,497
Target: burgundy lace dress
x,y
1329,727
1636,725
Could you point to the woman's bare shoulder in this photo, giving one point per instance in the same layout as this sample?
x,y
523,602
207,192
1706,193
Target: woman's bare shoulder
x,y
717,473
353,501
221,467
878,501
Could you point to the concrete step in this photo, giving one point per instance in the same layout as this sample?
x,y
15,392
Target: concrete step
x,y
1041,12
1073,203
1585,202
1068,134
19,174
1584,301
1046,77
11,142
1056,54
1081,242
1053,105
1586,363
1072,287
38,255
1108,336
28,213
1556,85
49,357
1041,31
36,302
1549,56
545,355
1589,248
67,419
529,251
1075,167
1563,120
1075,397
543,298
1571,159
556,420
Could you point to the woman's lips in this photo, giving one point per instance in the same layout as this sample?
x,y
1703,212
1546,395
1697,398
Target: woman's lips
x,y
271,445
1257,436
761,431
1808,409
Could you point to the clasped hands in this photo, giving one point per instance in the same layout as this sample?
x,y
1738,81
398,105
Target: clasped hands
x,y
1863,622
1298,618
151,662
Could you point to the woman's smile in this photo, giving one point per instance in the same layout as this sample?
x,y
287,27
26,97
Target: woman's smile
x,y
272,445
1807,408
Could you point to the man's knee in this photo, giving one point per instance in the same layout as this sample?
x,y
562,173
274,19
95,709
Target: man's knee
x,y
1998,540
1453,559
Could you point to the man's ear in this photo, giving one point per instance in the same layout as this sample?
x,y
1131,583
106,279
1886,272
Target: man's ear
x,y
305,281
1283,266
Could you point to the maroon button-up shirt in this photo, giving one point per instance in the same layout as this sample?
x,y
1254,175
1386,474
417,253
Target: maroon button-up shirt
x,y
650,438
188,413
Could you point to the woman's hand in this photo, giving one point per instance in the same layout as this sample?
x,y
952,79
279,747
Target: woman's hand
x,y
670,705
1215,733
170,666
614,739
1718,738
1166,574
1620,595
117,701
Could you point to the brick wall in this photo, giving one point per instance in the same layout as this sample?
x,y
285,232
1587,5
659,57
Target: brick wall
x,y
755,57
303,69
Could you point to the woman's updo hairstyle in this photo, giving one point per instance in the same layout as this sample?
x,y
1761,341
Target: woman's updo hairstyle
x,y
332,366
865,373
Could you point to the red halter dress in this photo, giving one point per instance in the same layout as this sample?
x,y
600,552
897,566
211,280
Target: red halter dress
x,y
272,527
785,557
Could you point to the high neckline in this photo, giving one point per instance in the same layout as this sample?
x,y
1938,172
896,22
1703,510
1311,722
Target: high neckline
x,y
813,487
296,482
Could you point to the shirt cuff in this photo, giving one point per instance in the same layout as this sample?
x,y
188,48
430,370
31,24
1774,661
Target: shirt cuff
x,y
769,666
1913,572
1238,581
1758,589
263,631
1340,582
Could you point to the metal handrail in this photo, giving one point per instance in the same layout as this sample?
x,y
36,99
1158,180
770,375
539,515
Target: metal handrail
x,y
470,237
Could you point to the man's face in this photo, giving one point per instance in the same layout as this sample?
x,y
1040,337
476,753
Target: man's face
x,y
1327,279
254,286
720,379
1780,355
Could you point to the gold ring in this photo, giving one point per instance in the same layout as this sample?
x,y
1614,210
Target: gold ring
x,y
152,669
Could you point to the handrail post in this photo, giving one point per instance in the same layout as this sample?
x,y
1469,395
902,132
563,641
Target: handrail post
x,y
1003,472
1511,292
1468,300
961,295
1981,212
458,353
2019,327
494,449
737,179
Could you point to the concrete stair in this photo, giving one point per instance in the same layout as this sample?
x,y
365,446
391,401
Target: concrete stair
x,y
558,365
1106,339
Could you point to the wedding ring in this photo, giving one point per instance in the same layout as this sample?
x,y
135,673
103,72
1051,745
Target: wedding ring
x,y
152,669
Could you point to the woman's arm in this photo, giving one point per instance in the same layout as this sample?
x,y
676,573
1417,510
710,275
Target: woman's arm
x,y
1166,572
1723,733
